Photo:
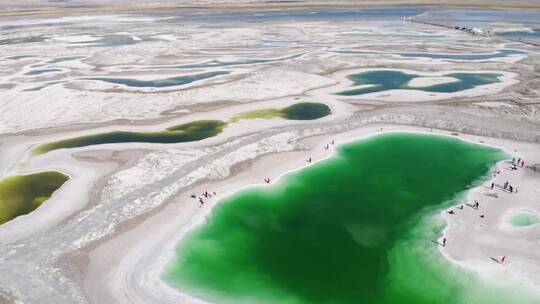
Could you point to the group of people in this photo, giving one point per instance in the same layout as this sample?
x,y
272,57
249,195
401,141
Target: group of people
x,y
472,30
475,206
516,163
509,187
203,196
308,160
328,145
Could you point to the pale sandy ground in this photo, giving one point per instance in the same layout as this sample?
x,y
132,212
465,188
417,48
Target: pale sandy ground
x,y
473,242
151,245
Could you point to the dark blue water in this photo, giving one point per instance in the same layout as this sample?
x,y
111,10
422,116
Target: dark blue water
x,y
465,17
389,80
522,35
20,40
40,72
107,41
303,15
457,57
465,57
161,83
116,40
20,57
62,59
219,63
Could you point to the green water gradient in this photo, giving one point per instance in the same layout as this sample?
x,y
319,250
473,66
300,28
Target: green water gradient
x,y
358,228
22,194
298,111
390,80
192,131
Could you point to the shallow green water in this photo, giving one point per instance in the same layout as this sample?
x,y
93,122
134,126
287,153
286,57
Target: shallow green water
x,y
192,131
358,228
22,194
390,80
298,111
523,219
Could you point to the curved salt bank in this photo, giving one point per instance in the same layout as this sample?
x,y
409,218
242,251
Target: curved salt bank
x,y
427,81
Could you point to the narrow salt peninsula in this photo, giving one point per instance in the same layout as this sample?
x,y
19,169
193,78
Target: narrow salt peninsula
x,y
269,152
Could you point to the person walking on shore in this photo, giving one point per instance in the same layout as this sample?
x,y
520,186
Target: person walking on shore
x,y
444,242
492,185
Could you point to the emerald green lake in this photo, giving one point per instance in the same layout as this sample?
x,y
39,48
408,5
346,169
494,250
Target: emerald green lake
x,y
192,131
22,194
358,228
390,80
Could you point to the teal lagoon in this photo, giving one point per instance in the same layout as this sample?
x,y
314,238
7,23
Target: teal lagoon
x,y
534,34
384,80
41,72
466,57
454,57
161,83
357,228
